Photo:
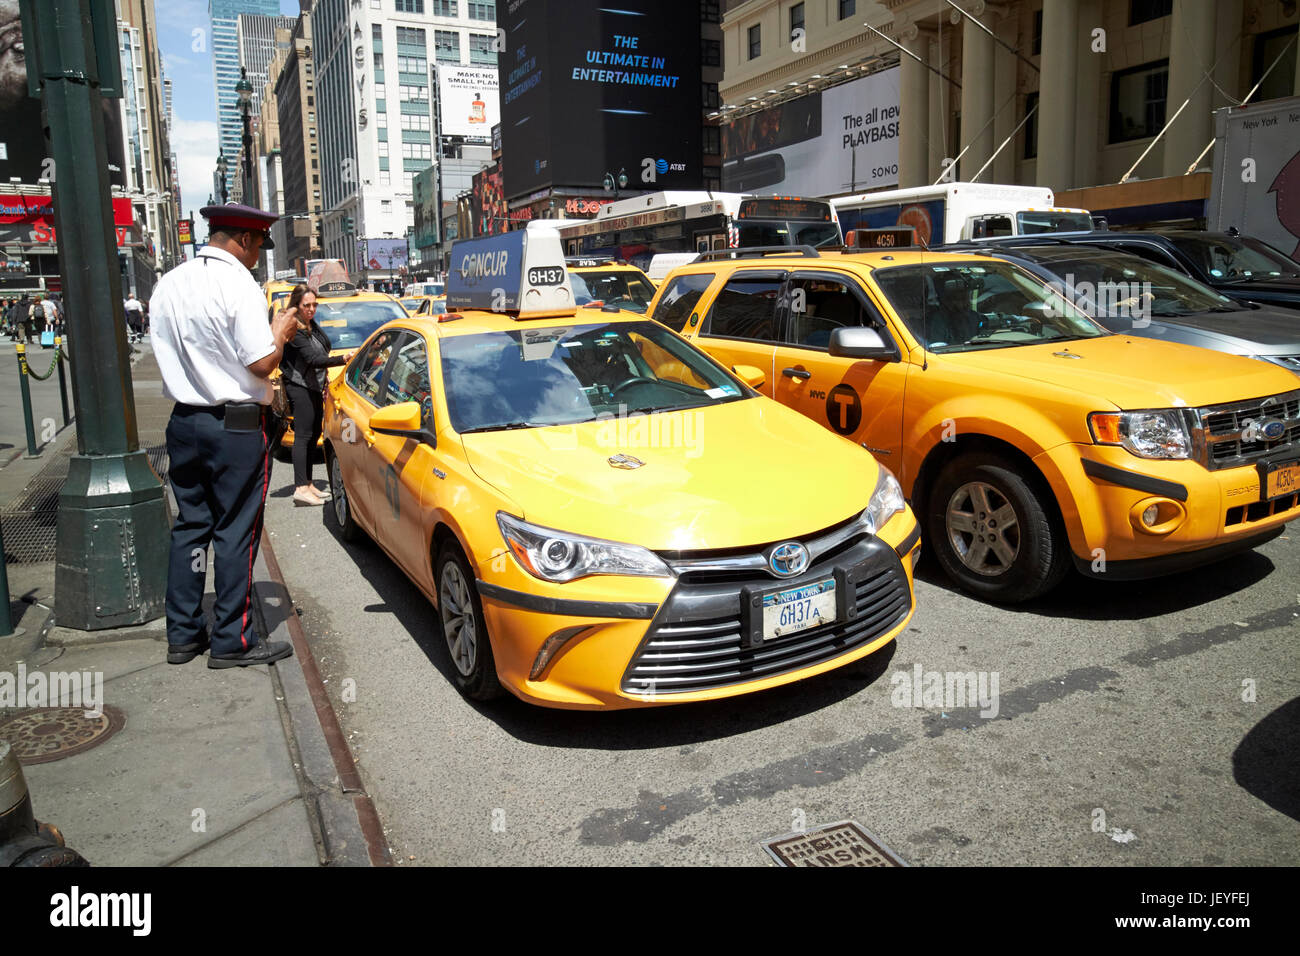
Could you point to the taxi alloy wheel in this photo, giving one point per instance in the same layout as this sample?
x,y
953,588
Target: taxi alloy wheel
x,y
461,614
994,531
339,505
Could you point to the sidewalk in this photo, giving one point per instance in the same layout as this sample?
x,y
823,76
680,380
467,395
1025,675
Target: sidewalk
x,y
187,766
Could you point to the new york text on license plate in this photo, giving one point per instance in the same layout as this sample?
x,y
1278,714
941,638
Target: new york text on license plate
x,y
797,609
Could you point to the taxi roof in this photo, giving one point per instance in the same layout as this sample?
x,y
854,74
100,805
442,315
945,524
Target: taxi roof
x,y
867,260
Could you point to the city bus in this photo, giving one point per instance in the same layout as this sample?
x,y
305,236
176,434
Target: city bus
x,y
680,222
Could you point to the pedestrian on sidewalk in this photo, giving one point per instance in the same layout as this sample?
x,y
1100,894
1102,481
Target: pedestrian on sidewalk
x,y
134,313
306,358
215,351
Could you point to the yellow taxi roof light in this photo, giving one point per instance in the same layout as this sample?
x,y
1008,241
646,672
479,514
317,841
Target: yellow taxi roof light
x,y
520,273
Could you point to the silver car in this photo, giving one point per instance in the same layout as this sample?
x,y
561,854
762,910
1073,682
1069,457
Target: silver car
x,y
1130,295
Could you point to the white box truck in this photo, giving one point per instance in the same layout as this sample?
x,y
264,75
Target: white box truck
x,y
1256,183
952,212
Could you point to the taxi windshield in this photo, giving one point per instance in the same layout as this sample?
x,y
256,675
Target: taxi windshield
x,y
967,306
531,377
410,305
623,289
348,323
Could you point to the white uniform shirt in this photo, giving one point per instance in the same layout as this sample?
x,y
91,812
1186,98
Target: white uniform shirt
x,y
209,321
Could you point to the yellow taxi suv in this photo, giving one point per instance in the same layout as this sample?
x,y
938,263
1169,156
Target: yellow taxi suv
x,y
603,516
347,315
611,282
1026,436
424,304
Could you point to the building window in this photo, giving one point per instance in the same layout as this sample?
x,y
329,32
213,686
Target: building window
x,y
712,141
386,206
848,8
381,119
383,149
481,49
311,101
1140,11
710,53
409,6
711,98
379,60
315,180
1036,44
796,20
314,164
1268,47
411,36
755,41
379,92
445,8
710,11
1031,127
417,65
446,46
384,178
1137,101
482,11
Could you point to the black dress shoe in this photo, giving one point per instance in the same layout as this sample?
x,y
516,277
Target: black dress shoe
x,y
266,652
184,653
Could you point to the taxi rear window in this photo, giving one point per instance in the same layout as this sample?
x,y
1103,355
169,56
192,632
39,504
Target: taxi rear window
x,y
348,324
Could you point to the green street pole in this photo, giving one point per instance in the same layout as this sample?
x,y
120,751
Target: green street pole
x,y
63,379
23,387
112,531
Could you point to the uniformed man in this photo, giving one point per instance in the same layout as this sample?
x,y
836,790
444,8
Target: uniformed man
x,y
215,350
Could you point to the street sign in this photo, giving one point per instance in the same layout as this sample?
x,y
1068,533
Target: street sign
x,y
185,231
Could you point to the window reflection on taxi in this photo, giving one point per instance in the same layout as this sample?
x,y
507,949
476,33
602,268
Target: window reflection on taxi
x,y
349,323
625,289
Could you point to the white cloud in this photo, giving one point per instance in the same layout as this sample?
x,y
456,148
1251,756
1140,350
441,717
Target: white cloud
x,y
195,144
183,14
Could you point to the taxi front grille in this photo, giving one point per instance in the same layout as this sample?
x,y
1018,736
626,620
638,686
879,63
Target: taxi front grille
x,y
1261,510
1227,435
697,641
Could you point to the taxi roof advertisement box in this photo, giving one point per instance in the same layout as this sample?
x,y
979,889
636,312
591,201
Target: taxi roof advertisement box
x,y
842,139
521,272
590,88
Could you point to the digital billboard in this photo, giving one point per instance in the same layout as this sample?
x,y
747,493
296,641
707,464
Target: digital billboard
x,y
381,254
425,202
589,89
842,139
488,209
468,100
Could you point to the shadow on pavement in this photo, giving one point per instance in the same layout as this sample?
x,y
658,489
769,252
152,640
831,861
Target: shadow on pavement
x,y
1092,599
638,729
1267,764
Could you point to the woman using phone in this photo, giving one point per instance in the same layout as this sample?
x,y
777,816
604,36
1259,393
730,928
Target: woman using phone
x,y
306,357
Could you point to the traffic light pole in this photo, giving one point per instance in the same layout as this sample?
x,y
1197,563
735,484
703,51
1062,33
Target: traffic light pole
x,y
112,531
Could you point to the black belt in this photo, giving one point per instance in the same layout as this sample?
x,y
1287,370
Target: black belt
x,y
237,416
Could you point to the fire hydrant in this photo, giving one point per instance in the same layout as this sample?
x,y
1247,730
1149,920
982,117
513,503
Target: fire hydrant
x,y
23,841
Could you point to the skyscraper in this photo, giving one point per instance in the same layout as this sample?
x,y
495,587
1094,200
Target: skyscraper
x,y
224,15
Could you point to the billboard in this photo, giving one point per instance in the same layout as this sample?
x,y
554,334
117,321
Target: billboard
x,y
381,255
487,204
29,220
425,202
468,99
842,139
185,232
590,89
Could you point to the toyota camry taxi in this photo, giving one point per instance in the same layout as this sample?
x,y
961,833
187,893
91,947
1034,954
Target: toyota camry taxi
x,y
604,516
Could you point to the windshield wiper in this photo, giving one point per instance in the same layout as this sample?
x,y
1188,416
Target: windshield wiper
x,y
503,427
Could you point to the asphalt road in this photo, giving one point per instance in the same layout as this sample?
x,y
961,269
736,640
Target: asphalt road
x,y
1121,738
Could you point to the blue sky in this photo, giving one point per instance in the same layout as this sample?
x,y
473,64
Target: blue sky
x,y
187,60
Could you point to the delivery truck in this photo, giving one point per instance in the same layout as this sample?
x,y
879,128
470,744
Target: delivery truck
x,y
952,212
1256,184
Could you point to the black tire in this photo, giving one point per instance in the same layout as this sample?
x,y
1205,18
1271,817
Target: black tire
x,y
984,554
339,509
472,665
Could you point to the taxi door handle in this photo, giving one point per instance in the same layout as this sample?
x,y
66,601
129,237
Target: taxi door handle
x,y
802,374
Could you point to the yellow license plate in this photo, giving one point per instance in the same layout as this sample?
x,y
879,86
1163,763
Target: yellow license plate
x,y
1283,481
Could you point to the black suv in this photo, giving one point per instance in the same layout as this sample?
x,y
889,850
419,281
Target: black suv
x,y
1239,267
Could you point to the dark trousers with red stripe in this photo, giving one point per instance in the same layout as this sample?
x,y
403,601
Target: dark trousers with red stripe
x,y
219,477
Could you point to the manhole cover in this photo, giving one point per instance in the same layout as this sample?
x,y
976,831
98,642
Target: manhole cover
x,y
43,734
835,844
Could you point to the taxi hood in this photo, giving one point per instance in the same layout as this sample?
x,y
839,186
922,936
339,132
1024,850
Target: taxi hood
x,y
1132,372
744,473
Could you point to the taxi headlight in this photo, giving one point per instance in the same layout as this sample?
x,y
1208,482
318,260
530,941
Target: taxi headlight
x,y
559,556
886,501
1148,434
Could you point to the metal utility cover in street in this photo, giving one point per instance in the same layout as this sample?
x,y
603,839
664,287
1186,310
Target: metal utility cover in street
x,y
836,844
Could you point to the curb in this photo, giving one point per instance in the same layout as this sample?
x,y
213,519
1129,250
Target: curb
x,y
342,812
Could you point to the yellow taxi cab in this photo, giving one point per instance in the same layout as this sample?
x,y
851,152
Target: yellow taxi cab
x,y
424,304
612,282
278,291
1026,437
347,315
603,516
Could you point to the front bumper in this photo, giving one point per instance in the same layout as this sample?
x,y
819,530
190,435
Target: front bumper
x,y
1103,491
676,640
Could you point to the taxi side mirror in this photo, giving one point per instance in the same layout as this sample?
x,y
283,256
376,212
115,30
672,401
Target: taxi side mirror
x,y
751,375
402,420
861,343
